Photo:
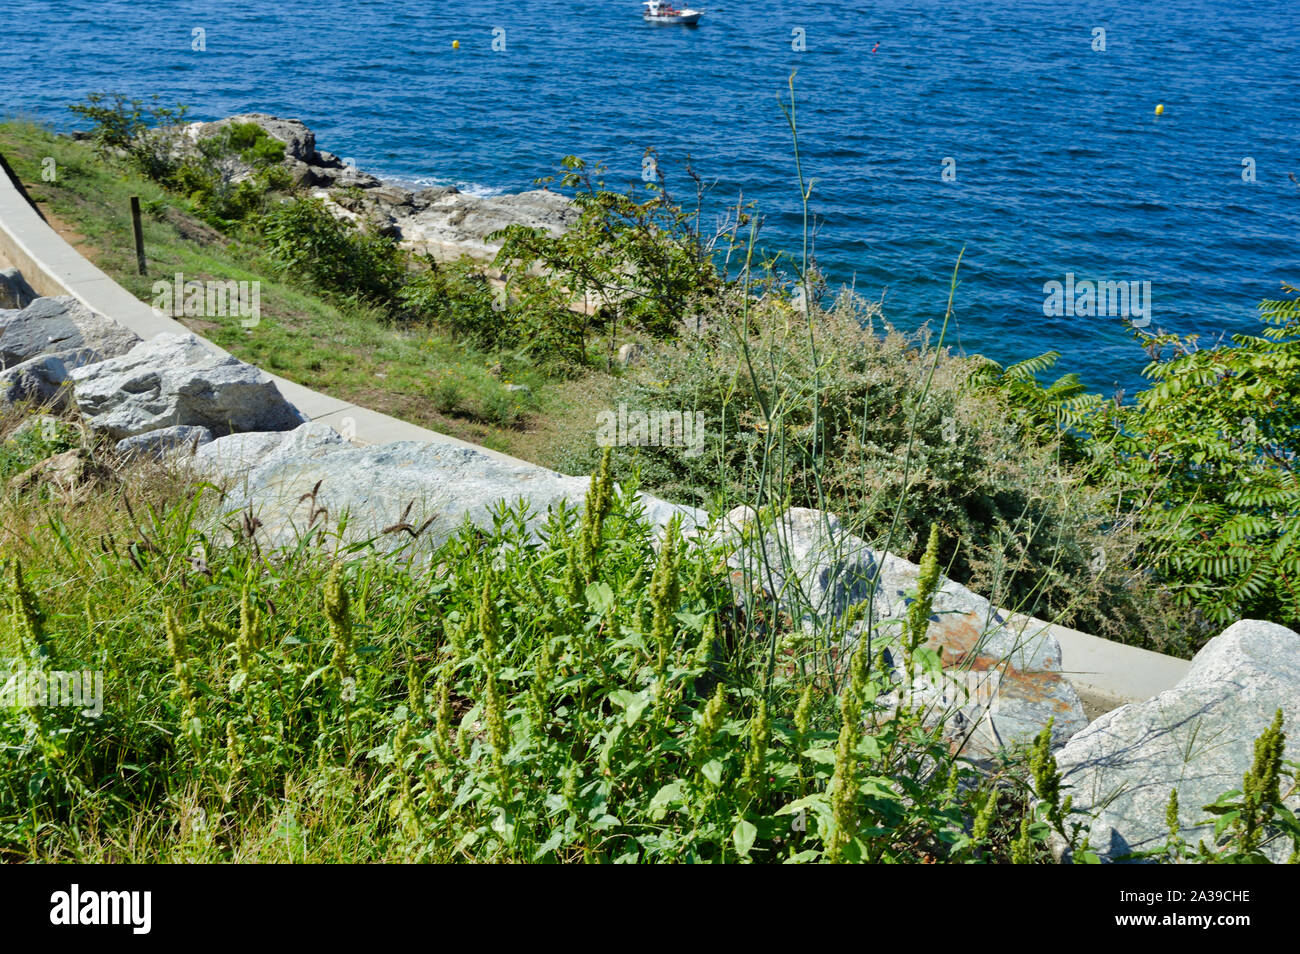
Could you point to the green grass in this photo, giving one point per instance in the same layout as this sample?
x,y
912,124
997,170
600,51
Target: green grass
x,y
591,699
598,697
344,350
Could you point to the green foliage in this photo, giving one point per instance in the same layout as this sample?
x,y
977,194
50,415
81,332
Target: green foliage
x,y
1210,452
32,444
459,298
825,420
309,245
589,698
1249,819
146,134
1048,411
641,259
1202,463
233,173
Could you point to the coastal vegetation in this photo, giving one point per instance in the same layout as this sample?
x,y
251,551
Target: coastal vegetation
x,y
1150,520
600,695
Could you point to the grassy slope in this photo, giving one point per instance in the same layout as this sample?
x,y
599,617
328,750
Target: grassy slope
x,y
333,347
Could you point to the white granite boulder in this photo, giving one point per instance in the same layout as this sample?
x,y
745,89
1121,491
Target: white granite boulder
x,y
409,482
174,379
233,456
1197,737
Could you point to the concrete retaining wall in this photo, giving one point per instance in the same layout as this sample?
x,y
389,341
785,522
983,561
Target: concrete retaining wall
x,y
53,267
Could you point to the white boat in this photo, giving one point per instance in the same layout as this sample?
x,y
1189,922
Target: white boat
x,y
660,11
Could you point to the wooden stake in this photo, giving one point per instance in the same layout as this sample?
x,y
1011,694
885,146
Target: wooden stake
x,y
139,232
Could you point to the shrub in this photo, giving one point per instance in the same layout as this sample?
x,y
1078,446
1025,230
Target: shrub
x,y
640,258
1208,459
147,135
310,245
526,315
232,173
841,413
458,298
1201,465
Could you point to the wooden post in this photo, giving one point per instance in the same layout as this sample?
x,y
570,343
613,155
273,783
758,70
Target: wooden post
x,y
139,232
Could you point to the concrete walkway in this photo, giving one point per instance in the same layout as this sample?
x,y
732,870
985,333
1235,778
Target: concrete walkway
x,y
1106,673
53,267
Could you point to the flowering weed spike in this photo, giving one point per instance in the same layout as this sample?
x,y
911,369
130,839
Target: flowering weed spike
x,y
338,611
843,786
918,613
28,620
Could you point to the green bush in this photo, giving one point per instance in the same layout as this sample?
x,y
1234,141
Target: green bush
x,y
147,135
308,244
525,316
1208,457
459,298
1201,465
835,410
233,174
640,258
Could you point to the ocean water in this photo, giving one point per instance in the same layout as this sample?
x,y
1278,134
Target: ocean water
x,y
1061,165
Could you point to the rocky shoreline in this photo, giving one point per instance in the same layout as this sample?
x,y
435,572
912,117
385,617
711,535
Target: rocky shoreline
x,y
440,221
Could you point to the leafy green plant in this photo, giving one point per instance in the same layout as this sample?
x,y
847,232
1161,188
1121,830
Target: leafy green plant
x,y
146,134
1248,819
232,173
641,260
1202,463
596,696
309,244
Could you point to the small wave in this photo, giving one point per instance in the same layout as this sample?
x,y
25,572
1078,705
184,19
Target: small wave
x,y
415,183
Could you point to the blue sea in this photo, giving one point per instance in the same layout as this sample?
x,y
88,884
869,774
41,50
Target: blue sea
x,y
1057,162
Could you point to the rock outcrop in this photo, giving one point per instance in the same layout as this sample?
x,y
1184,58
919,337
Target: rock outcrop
x,y
174,379
1197,738
443,222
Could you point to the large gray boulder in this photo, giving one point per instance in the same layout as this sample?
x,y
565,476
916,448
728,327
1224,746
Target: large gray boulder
x,y
14,290
1000,687
408,483
174,379
233,456
1197,738
63,327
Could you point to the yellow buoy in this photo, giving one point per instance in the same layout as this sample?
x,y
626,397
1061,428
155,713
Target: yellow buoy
x,y
1160,108
455,45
